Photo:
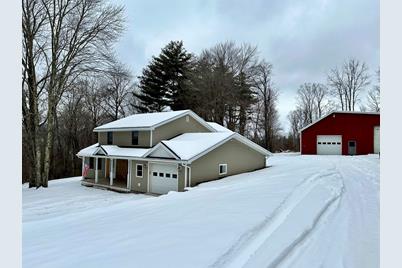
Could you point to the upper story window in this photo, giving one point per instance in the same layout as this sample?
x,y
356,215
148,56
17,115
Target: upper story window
x,y
110,138
134,137
223,169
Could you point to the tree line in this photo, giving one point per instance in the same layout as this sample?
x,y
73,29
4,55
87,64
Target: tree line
x,y
227,83
347,89
72,82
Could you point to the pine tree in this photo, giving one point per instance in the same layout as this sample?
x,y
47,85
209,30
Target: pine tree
x,y
164,82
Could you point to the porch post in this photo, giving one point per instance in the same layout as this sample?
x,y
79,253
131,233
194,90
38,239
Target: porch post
x,y
129,174
83,167
96,170
185,176
104,166
111,171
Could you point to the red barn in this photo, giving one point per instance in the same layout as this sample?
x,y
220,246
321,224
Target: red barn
x,y
347,133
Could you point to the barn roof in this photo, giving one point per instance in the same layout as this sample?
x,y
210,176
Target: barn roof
x,y
338,112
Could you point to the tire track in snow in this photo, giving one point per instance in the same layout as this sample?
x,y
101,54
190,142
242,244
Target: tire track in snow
x,y
291,252
248,243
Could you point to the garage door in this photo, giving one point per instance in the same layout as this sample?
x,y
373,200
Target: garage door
x,y
377,140
329,144
164,178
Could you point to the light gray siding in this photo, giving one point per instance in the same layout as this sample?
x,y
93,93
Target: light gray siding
x,y
238,157
123,138
139,184
181,174
177,127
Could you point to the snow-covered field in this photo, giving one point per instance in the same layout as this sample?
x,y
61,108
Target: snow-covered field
x,y
302,211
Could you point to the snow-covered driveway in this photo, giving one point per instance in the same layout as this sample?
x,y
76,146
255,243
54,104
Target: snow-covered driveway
x,y
302,211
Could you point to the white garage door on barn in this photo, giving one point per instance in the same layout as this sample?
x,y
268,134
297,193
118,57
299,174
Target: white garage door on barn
x,y
376,140
163,178
329,144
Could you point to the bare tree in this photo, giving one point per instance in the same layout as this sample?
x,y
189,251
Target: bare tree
x,y
77,34
296,119
118,86
267,96
93,101
312,101
348,82
223,75
374,96
33,81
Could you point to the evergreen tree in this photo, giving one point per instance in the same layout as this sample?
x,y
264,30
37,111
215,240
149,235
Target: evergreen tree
x,y
164,82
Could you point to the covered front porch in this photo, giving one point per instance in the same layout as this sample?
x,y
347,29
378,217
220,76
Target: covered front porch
x,y
108,173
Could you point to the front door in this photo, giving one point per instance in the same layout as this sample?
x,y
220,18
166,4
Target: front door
x,y
351,147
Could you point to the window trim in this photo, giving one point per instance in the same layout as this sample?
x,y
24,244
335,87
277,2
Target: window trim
x,y
132,137
107,138
142,170
226,169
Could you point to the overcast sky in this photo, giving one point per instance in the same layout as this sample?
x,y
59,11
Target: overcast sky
x,y
302,39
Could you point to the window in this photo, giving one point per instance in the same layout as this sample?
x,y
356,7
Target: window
x,y
223,169
161,174
91,163
333,142
154,174
174,176
352,144
139,170
319,142
134,137
187,118
338,143
167,175
110,138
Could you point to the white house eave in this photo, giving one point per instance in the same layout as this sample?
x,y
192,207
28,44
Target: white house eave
x,y
124,129
134,158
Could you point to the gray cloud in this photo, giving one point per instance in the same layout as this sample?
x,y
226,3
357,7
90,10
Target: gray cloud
x,y
302,39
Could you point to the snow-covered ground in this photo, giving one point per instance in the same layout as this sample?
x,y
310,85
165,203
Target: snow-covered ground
x,y
302,211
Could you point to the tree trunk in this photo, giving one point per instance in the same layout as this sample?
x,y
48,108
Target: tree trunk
x,y
49,142
242,120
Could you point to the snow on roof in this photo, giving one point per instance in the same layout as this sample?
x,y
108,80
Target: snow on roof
x,y
218,127
338,112
112,150
90,150
189,145
146,120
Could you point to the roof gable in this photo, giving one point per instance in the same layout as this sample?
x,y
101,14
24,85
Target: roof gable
x,y
191,146
218,127
337,112
149,121
161,151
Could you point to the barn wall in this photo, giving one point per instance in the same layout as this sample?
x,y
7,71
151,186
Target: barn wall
x,y
358,127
